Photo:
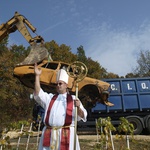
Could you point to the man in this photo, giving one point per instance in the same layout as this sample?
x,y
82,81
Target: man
x,y
58,133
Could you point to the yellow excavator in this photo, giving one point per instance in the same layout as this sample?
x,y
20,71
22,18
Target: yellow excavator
x,y
19,22
96,89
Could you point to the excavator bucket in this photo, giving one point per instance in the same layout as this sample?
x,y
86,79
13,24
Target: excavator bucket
x,y
37,54
19,22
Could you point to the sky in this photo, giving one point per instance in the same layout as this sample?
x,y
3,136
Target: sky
x,y
112,32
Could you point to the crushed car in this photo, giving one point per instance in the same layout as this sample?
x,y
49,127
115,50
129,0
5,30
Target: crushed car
x,y
89,89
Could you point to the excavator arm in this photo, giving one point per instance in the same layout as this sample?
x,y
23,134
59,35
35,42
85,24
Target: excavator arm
x,y
19,22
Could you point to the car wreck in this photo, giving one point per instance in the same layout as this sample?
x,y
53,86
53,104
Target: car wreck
x,y
89,89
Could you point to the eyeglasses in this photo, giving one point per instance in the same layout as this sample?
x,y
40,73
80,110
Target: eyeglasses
x,y
60,83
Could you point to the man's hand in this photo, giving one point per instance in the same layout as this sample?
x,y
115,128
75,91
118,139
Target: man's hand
x,y
37,70
77,103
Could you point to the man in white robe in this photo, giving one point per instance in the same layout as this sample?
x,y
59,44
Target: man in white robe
x,y
56,114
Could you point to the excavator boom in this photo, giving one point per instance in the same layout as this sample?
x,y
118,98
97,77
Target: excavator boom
x,y
24,71
19,22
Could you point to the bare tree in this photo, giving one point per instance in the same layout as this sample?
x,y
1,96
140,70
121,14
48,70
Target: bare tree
x,y
143,61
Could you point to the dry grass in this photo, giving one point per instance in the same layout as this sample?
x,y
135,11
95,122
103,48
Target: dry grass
x,y
90,143
137,143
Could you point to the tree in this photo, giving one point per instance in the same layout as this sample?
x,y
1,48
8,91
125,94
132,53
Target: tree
x,y
14,97
3,45
81,55
52,47
60,53
111,75
65,54
19,53
143,67
95,70
131,75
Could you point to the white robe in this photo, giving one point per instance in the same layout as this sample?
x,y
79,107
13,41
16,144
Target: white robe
x,y
57,118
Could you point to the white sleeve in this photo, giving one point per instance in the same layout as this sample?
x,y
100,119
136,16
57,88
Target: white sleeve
x,y
43,98
85,113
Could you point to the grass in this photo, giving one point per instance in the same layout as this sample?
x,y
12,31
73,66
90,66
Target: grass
x,y
89,144
118,145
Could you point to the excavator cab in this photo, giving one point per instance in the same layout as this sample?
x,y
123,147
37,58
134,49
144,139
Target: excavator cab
x,y
19,22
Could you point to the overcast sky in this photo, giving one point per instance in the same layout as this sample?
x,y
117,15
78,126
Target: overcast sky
x,y
111,32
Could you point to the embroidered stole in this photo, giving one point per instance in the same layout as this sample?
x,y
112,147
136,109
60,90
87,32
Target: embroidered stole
x,y
65,133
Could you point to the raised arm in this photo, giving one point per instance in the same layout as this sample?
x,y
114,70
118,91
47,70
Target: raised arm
x,y
37,72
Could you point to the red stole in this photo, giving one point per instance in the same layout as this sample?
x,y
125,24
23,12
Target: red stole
x,y
65,133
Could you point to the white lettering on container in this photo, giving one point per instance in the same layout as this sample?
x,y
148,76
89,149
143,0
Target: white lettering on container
x,y
113,87
128,86
143,85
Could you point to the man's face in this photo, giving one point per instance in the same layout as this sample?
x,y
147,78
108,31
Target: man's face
x,y
61,87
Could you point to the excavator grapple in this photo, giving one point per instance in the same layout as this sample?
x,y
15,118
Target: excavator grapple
x,y
19,22
36,55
